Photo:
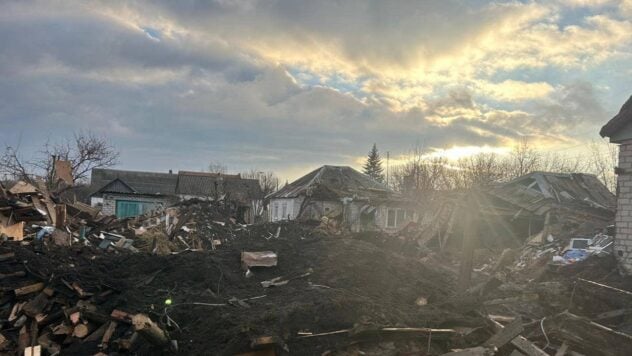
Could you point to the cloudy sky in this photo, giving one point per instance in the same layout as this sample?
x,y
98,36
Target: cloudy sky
x,y
289,85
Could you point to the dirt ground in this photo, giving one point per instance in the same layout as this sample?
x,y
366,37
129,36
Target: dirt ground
x,y
353,281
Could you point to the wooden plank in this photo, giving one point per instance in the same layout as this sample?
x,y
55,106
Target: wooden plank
x,y
149,330
15,231
527,347
605,286
50,206
473,351
7,256
613,314
33,351
562,350
506,334
22,187
12,275
31,288
36,305
521,343
60,216
108,334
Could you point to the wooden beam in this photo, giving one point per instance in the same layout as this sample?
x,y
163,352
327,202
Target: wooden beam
x,y
506,334
144,326
606,287
521,343
31,288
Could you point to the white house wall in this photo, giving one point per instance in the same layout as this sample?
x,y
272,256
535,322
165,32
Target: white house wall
x,y
291,211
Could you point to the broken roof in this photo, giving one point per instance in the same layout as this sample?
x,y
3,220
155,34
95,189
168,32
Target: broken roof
x,y
619,121
537,191
119,181
335,182
210,184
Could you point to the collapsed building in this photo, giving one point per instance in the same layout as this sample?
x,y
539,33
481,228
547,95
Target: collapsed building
x,y
133,193
345,195
526,209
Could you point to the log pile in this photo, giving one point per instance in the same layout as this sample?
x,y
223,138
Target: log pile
x,y
43,317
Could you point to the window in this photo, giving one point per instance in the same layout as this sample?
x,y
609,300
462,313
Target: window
x,y
276,211
284,209
396,217
390,218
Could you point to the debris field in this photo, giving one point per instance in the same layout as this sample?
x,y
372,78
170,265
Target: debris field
x,y
190,280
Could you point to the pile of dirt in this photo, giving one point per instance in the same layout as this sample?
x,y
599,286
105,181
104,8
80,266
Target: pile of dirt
x,y
349,282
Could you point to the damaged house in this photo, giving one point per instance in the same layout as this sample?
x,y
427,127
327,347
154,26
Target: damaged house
x,y
528,208
132,193
345,195
244,195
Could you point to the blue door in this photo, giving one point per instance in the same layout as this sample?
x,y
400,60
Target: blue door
x,y
126,208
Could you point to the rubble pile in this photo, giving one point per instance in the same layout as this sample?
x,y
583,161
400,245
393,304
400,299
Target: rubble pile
x,y
191,280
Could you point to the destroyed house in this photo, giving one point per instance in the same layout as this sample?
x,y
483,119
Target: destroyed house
x,y
619,130
345,195
245,195
130,193
536,201
542,192
528,208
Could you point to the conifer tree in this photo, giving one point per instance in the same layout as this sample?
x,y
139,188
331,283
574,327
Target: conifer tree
x,y
373,166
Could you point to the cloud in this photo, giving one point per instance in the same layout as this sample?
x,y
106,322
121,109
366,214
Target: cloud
x,y
283,83
512,90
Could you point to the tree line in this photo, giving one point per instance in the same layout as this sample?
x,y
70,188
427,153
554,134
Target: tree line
x,y
421,174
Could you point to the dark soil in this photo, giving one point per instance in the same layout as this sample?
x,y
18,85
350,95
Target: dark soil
x,y
352,282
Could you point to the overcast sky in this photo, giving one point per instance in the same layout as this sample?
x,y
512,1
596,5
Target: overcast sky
x,y
289,85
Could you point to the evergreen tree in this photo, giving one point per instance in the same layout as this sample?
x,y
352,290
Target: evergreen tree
x,y
373,166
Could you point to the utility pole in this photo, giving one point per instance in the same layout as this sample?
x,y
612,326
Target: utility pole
x,y
388,156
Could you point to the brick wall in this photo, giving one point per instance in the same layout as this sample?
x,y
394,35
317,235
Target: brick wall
x,y
623,239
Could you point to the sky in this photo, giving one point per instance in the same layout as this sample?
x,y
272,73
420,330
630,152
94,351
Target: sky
x,y
289,85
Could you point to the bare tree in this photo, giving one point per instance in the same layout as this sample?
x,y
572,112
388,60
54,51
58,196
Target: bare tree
x,y
217,167
84,152
523,159
268,180
604,157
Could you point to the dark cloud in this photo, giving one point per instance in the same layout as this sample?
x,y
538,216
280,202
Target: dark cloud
x,y
179,99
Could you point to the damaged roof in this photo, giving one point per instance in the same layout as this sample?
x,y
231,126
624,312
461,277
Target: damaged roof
x,y
335,182
539,191
119,181
211,184
619,121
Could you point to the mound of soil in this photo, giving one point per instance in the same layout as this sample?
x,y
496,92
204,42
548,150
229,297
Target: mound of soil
x,y
350,282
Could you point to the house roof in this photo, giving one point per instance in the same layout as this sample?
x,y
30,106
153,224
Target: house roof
x,y
335,182
537,192
210,184
618,121
140,182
